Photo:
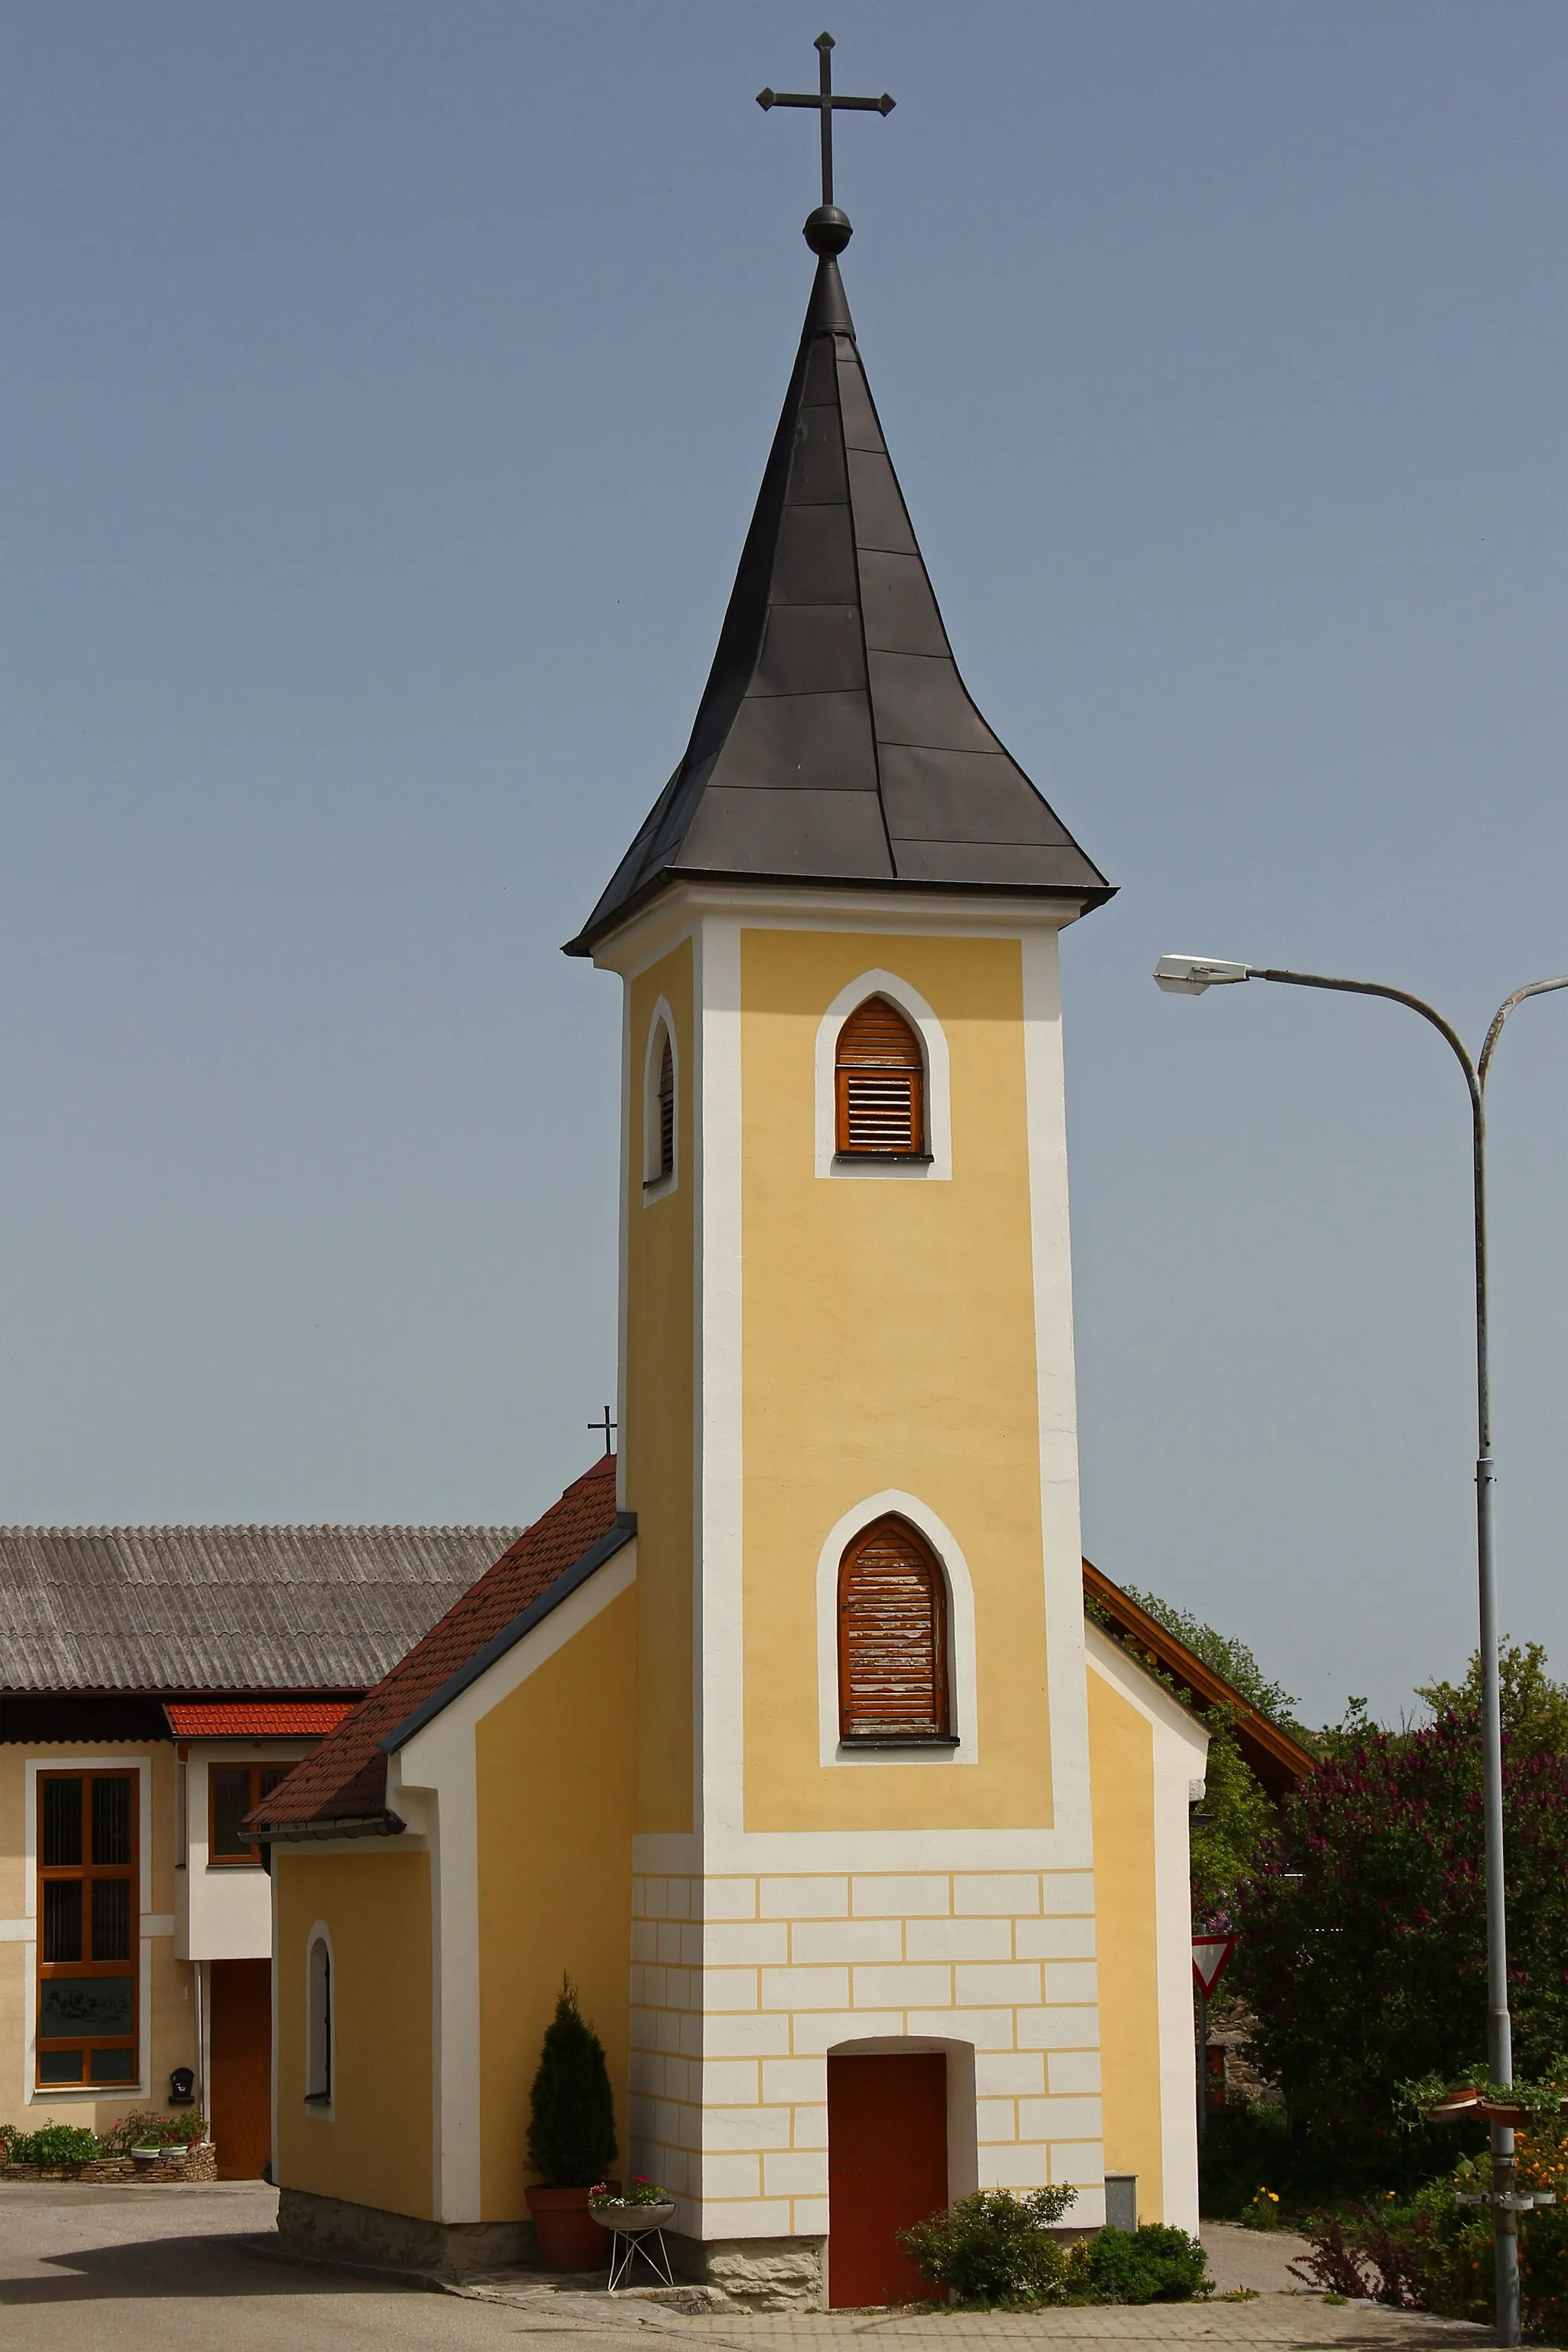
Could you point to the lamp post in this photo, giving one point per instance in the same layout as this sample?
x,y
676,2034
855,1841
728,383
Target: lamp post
x,y
1189,976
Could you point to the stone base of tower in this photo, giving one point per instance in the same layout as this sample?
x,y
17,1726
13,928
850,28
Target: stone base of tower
x,y
756,2274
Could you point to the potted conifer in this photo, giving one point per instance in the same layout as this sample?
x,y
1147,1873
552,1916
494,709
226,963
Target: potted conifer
x,y
571,2138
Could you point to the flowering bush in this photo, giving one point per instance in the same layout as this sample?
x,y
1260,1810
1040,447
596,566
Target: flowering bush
x,y
1261,2212
1362,1932
149,2129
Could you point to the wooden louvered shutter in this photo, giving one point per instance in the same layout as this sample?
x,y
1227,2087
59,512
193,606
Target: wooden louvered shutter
x,y
892,1637
881,1082
666,1109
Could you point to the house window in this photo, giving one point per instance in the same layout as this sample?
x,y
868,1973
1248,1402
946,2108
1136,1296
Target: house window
x,y
658,1105
892,1640
234,1790
87,1929
319,2021
879,1085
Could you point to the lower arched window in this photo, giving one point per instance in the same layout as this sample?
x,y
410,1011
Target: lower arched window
x,y
879,1086
319,2022
892,1639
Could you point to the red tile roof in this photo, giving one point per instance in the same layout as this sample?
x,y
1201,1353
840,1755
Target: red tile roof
x,y
279,1719
345,1779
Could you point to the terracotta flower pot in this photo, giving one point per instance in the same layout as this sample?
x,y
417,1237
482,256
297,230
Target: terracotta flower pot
x,y
569,2236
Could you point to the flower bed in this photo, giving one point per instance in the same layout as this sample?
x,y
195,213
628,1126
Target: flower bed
x,y
141,2146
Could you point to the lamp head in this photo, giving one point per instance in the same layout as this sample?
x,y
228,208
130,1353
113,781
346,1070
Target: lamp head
x,y
1185,975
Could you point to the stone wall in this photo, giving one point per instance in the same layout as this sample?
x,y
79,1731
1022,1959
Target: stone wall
x,y
199,2164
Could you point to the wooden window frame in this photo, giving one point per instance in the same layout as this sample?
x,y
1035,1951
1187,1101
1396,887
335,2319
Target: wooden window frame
x,y
939,1735
845,1147
252,1858
90,1970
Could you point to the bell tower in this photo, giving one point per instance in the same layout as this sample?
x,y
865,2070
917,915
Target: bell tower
x,y
847,1399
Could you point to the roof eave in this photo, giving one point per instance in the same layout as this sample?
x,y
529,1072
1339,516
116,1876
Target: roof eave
x,y
594,935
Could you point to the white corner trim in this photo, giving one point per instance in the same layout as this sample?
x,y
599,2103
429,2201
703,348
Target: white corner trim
x,y
661,1021
962,1679
938,1103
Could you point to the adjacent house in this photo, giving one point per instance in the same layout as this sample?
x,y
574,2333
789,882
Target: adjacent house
x,y
155,1682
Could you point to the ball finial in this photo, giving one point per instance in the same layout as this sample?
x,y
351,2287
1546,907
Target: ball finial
x,y
827,230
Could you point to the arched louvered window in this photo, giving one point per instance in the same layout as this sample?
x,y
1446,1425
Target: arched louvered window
x,y
893,1638
659,1104
666,1109
879,1078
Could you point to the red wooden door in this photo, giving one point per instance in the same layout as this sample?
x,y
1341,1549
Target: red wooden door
x,y
240,2061
887,2168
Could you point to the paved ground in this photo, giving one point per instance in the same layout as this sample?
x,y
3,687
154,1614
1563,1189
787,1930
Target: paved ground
x,y
191,2270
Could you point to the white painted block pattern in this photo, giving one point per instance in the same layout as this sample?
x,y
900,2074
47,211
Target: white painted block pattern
x,y
744,1985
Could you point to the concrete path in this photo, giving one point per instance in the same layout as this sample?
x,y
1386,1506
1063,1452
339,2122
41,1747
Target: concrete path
x,y
194,2270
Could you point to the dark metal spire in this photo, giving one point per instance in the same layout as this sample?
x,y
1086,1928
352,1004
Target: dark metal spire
x,y
828,230
835,742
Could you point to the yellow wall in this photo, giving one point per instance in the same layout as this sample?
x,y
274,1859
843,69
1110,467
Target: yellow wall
x,y
555,1764
174,2040
376,2147
889,1342
1121,1769
659,1433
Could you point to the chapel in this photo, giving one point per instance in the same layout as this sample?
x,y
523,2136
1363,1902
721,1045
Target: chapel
x,y
783,1733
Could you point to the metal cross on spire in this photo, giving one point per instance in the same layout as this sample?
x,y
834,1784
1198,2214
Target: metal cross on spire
x,y
826,101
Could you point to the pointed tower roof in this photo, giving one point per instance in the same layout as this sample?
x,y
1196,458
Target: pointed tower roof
x,y
835,742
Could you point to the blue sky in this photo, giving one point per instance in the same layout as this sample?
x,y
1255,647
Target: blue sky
x,y
387,387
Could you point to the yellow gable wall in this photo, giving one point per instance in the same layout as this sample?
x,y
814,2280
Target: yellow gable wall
x,y
1122,1772
659,1434
375,2148
555,1765
889,1342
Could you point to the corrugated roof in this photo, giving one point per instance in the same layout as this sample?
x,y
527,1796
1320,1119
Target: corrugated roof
x,y
171,1610
345,1779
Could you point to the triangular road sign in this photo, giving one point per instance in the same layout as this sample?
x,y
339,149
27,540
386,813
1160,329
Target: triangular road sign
x,y
1211,1958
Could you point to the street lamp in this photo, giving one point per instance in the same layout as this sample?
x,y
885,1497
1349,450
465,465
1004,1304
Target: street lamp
x,y
1183,975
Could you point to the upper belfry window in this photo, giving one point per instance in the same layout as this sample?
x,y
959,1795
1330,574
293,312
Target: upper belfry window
x,y
892,1639
879,1085
658,1105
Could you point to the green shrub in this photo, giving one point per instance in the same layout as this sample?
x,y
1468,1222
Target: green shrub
x,y
1150,2264
992,2248
56,2144
572,2110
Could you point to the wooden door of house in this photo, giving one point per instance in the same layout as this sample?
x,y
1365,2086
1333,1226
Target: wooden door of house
x,y
887,2168
241,2065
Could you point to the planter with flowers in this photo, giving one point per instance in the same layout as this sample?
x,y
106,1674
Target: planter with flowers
x,y
637,2216
570,2139
644,2206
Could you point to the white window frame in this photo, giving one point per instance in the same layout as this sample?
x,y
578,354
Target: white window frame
x,y
961,1674
938,1169
655,1186
320,2101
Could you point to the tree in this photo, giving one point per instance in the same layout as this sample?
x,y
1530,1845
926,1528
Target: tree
x,y
1535,1707
1362,1927
572,2120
